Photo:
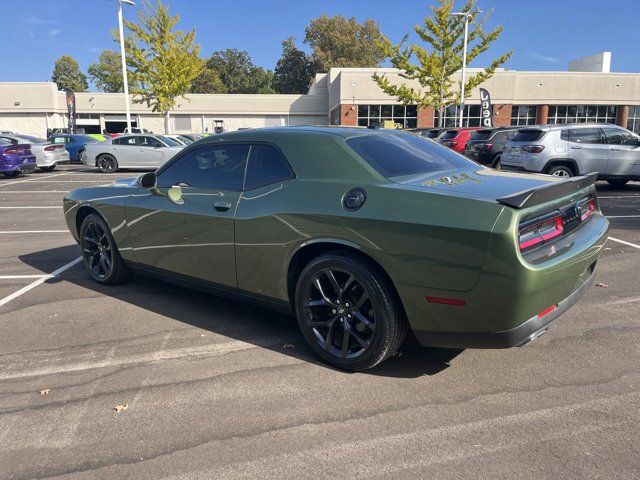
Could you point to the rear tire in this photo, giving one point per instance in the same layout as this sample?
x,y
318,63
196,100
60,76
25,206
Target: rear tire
x,y
497,162
107,163
99,252
617,183
561,171
50,168
348,312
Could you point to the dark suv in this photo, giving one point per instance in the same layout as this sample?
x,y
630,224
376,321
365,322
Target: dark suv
x,y
486,145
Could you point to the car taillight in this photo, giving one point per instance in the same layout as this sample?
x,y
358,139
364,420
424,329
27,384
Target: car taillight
x,y
50,148
537,232
484,146
15,151
532,148
586,209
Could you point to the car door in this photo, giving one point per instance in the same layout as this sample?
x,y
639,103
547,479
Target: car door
x,y
125,150
185,225
151,152
624,152
588,148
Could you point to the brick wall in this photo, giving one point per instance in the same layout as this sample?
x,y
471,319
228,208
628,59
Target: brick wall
x,y
502,115
622,115
425,117
348,115
542,114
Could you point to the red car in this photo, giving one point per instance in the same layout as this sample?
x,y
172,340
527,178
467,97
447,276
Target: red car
x,y
457,138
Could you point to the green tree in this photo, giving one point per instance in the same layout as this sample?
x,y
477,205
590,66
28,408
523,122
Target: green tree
x,y
338,42
208,82
238,73
164,62
441,59
67,75
294,70
106,73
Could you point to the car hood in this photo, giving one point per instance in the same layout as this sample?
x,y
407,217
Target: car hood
x,y
480,183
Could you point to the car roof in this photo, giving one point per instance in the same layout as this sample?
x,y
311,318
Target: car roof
x,y
562,126
340,131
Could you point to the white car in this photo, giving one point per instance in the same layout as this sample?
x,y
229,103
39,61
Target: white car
x,y
145,152
48,155
180,139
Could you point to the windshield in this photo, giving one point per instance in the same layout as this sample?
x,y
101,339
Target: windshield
x,y
394,155
31,139
185,139
169,141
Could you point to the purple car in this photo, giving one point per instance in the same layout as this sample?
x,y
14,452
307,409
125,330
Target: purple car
x,y
16,159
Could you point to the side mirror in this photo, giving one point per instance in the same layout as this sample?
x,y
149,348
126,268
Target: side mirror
x,y
148,180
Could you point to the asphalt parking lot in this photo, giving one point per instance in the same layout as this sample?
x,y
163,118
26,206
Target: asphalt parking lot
x,y
216,389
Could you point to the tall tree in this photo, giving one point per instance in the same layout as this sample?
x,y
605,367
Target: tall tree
x,y
441,59
67,75
294,70
106,73
338,42
208,82
164,61
238,73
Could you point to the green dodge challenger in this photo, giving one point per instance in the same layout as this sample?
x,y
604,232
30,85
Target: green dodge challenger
x,y
362,233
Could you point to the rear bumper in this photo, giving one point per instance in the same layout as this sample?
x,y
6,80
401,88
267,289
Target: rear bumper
x,y
18,164
516,337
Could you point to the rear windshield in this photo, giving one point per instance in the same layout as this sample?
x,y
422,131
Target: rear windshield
x,y
449,135
31,139
433,133
395,155
528,135
482,134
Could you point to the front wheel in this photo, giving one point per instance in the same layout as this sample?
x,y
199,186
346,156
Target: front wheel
x,y
100,253
560,171
107,163
49,168
497,163
348,312
617,183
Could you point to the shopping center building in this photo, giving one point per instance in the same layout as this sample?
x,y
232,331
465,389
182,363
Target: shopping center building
x,y
587,92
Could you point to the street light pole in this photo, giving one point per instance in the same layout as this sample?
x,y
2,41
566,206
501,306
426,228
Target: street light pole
x,y
467,17
124,62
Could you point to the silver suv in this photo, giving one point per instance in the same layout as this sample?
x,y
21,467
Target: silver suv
x,y
575,149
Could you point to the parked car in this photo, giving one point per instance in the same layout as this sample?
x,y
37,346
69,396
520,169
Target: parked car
x,y
181,139
136,130
362,233
457,138
131,151
432,133
99,136
568,150
193,136
487,145
56,131
16,158
74,143
48,155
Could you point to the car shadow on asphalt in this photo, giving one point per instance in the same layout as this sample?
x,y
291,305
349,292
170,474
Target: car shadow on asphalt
x,y
236,320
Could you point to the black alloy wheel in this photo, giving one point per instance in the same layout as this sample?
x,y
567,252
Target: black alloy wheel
x,y
107,163
99,252
348,313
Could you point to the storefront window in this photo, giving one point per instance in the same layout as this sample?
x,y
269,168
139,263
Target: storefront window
x,y
523,114
404,115
633,123
582,114
470,118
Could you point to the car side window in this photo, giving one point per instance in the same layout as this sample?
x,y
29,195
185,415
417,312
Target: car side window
x,y
266,165
70,140
130,141
10,141
212,167
616,136
585,135
149,142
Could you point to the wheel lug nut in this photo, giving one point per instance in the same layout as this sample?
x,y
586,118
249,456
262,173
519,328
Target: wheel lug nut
x,y
338,302
333,310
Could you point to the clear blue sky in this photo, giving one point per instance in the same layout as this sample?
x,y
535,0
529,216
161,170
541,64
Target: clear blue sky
x,y
545,34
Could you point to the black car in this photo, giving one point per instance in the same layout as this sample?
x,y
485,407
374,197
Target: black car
x,y
429,132
486,145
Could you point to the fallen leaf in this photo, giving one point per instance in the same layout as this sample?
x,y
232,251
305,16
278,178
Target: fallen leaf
x,y
45,391
603,285
621,251
119,408
202,334
289,345
607,248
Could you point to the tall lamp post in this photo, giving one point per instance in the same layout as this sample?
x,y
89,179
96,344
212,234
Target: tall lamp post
x,y
468,16
125,81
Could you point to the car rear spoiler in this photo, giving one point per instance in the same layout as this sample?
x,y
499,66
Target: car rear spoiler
x,y
551,191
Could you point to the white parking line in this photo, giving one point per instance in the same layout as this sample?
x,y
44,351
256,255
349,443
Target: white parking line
x,y
9,232
32,179
32,207
39,281
625,243
620,196
18,277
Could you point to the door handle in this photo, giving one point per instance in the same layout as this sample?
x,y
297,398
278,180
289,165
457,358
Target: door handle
x,y
575,147
222,206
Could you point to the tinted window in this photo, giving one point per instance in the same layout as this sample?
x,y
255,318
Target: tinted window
x,y
169,141
4,141
528,135
9,140
149,142
585,135
131,141
433,133
220,166
483,134
449,135
266,165
617,136
394,155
